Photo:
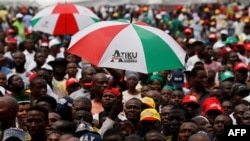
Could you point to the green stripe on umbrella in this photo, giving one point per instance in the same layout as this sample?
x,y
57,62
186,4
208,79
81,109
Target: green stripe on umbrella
x,y
159,46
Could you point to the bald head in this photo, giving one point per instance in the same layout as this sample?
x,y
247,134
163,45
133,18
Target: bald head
x,y
73,139
98,76
198,137
9,108
10,102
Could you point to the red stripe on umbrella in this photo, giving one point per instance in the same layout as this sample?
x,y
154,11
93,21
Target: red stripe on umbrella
x,y
89,44
65,26
65,8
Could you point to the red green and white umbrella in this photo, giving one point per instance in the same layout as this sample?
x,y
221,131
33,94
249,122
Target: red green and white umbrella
x,y
63,18
128,46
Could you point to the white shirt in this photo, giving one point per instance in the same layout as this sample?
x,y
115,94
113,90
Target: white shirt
x,y
192,60
49,58
127,96
29,58
8,54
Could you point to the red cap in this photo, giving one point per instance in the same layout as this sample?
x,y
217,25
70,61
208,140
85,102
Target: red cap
x,y
213,106
71,81
10,31
240,43
32,76
225,51
113,91
188,31
240,65
207,102
247,46
190,99
11,40
213,36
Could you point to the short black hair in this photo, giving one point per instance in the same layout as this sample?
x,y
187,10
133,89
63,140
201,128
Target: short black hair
x,y
48,99
112,132
40,109
154,131
33,81
184,109
195,71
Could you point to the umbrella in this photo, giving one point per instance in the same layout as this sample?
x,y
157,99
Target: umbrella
x,y
63,18
126,45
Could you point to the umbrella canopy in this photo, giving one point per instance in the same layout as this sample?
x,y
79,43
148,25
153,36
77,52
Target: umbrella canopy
x,y
129,46
63,18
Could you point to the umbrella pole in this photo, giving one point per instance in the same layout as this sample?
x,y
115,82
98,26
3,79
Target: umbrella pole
x,y
131,18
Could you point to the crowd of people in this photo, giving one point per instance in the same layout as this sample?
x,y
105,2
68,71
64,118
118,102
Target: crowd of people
x,y
48,94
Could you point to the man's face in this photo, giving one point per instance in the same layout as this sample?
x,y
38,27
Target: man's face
x,y
39,89
246,118
36,122
187,129
200,79
176,118
165,115
241,75
133,110
19,59
219,123
108,100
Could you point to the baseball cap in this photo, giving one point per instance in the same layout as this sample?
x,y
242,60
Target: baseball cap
x,y
11,40
224,31
21,99
71,81
90,137
150,114
247,46
226,75
177,78
241,89
83,127
190,99
213,36
218,45
10,31
14,132
114,91
19,15
148,101
240,65
64,102
54,42
207,102
188,31
214,106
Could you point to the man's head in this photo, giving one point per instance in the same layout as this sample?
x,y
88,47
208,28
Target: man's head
x,y
37,120
154,135
187,129
133,109
178,114
47,102
38,87
99,83
150,119
8,110
198,77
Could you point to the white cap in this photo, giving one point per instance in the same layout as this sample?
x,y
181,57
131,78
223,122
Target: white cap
x,y
224,31
218,45
189,68
19,15
247,98
54,42
47,67
212,29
